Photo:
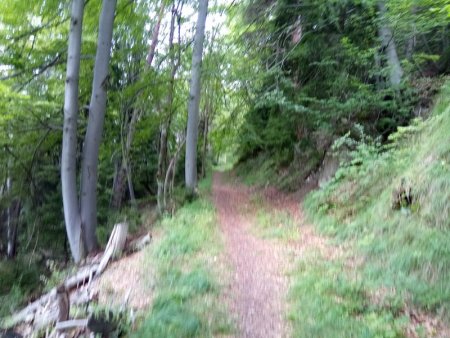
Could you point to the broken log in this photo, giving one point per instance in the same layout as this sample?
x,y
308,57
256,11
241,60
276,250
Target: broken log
x,y
62,296
115,246
71,324
139,243
85,274
48,308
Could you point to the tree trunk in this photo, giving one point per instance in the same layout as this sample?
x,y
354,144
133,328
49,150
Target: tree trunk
x,y
170,174
12,220
194,100
94,129
205,146
126,165
162,158
116,197
154,43
388,45
69,147
165,126
118,186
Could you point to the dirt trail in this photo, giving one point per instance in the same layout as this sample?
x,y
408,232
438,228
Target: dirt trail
x,y
257,291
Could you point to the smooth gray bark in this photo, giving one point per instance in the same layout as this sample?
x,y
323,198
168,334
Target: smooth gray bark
x,y
69,147
94,129
388,44
194,100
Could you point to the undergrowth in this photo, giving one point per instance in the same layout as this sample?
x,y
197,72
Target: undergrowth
x,y
187,302
268,169
405,249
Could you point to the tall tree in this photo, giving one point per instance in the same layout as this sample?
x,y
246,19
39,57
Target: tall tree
x,y
194,100
94,129
69,149
389,47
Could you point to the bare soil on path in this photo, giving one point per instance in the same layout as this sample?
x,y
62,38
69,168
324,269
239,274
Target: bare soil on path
x,y
257,294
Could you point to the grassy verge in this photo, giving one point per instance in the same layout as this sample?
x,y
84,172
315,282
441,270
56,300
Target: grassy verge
x,y
187,292
329,301
405,250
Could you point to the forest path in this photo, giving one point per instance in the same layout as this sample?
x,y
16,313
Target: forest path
x,y
257,294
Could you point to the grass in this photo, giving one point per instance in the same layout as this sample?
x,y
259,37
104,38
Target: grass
x,y
187,294
275,225
328,301
19,278
404,250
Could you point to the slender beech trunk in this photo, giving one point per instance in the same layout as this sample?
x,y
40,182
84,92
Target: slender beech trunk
x,y
165,125
154,43
12,220
12,224
126,162
205,146
117,189
388,44
194,100
69,147
170,173
94,130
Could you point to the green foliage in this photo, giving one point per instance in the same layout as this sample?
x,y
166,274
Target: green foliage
x,y
405,250
187,301
18,280
322,71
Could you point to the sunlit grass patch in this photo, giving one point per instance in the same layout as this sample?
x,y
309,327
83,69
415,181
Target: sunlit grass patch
x,y
187,292
275,224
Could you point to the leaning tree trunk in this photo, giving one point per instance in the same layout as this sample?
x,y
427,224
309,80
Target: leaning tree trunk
x,y
388,44
194,100
69,147
94,129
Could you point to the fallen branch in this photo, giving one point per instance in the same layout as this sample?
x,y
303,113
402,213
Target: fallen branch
x,y
45,310
139,243
85,274
71,324
115,246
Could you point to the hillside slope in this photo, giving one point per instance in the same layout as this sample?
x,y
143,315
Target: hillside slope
x,y
392,205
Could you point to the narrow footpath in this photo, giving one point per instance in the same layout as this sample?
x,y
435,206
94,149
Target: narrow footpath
x,y
258,288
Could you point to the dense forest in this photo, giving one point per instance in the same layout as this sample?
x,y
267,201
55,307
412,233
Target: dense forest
x,y
119,117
